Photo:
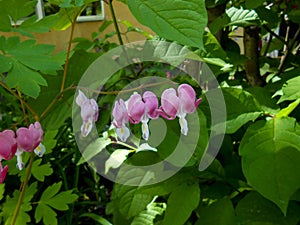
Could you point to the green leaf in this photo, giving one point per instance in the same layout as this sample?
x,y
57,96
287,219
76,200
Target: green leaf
x,y
223,208
294,16
6,64
242,108
96,218
186,198
33,24
183,21
93,149
2,189
127,199
264,99
254,209
11,202
27,61
290,108
291,90
18,9
242,17
25,79
49,140
147,216
51,198
116,159
61,200
46,213
270,154
40,171
250,4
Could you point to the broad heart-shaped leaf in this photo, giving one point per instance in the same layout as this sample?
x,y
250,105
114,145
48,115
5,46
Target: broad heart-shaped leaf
x,y
291,90
242,17
182,21
254,209
147,216
181,203
241,108
224,210
11,202
270,154
127,198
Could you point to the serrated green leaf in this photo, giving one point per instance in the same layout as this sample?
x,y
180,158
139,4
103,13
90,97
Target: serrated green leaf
x,y
50,192
223,208
270,154
11,202
41,171
184,21
291,90
18,9
254,209
242,17
46,213
33,24
147,216
6,64
61,200
26,80
186,197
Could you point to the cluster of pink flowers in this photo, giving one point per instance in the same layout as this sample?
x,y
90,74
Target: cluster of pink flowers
x,y
140,109
174,103
25,140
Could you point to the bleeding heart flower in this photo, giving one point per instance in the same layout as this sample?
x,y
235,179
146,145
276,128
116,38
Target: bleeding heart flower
x,y
89,112
179,104
29,138
3,172
121,118
142,109
8,145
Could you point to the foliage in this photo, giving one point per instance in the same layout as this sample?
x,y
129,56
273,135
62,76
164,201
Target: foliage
x,y
253,180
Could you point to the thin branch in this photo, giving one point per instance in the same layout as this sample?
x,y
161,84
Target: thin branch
x,y
275,35
288,51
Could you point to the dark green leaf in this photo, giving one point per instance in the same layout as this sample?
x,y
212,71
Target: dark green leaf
x,y
223,208
253,209
183,21
186,198
270,154
291,90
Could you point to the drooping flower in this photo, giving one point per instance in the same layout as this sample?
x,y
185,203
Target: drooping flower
x,y
89,112
8,145
3,172
141,109
121,118
179,104
29,138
